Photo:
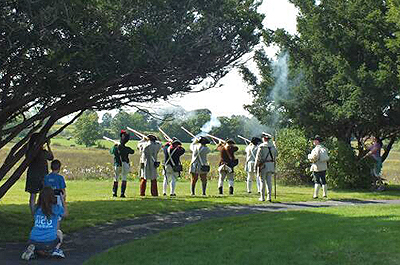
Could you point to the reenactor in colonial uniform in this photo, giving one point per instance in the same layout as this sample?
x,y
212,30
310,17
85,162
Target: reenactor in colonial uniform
x,y
250,166
149,148
319,158
121,154
227,163
199,165
173,150
265,162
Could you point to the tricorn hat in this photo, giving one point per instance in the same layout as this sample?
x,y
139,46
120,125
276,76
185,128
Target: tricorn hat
x,y
255,140
151,137
230,141
204,140
176,142
266,135
318,138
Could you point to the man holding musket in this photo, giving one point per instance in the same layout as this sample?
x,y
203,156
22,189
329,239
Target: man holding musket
x,y
250,166
265,162
319,158
227,163
149,148
199,165
173,150
121,154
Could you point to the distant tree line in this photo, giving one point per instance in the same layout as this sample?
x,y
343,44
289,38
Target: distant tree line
x,y
87,129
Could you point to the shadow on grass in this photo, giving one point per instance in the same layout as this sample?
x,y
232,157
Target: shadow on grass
x,y
367,235
16,221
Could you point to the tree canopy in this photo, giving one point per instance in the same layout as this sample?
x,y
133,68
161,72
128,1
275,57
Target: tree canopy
x,y
59,57
343,79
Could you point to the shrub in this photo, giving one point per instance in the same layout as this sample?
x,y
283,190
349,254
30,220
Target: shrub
x,y
344,169
292,163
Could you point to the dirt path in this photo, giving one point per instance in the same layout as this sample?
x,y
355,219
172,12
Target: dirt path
x,y
81,245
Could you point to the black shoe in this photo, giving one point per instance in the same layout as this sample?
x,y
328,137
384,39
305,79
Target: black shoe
x,y
249,192
115,195
315,197
231,190
172,195
164,194
122,196
220,190
269,200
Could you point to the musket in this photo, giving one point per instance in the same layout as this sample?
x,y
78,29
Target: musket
x,y
245,139
188,132
110,140
138,134
216,138
165,135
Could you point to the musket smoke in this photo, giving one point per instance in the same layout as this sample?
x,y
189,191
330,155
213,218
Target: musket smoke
x,y
208,126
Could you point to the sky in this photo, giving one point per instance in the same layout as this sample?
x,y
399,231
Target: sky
x,y
229,98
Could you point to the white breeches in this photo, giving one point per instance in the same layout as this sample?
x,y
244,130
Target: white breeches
x,y
250,177
266,185
222,175
170,176
122,171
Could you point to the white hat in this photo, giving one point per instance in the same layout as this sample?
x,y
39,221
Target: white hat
x,y
266,135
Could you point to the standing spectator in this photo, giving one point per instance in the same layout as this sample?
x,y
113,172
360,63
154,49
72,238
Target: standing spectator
x,y
250,166
37,169
199,164
226,164
122,167
319,158
375,152
265,161
56,181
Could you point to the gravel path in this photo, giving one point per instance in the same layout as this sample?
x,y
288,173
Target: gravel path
x,y
81,245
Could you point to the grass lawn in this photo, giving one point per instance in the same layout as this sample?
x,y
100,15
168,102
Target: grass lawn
x,y
90,203
345,235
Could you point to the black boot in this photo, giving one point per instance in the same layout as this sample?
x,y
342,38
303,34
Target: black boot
x,y
123,188
204,186
231,190
115,188
220,190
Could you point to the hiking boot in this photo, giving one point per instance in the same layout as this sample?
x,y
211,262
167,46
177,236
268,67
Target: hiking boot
x,y
58,253
29,253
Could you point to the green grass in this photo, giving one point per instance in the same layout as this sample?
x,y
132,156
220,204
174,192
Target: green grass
x,y
345,235
90,203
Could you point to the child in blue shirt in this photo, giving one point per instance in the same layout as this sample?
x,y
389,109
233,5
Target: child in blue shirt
x,y
44,238
56,181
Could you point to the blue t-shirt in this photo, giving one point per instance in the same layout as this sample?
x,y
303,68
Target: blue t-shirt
x,y
55,181
45,230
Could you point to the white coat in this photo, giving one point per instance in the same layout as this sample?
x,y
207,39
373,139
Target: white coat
x,y
149,151
263,157
251,151
199,157
314,157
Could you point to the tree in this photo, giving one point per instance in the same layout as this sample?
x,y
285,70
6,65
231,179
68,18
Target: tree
x,y
87,128
60,57
394,17
106,120
342,78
